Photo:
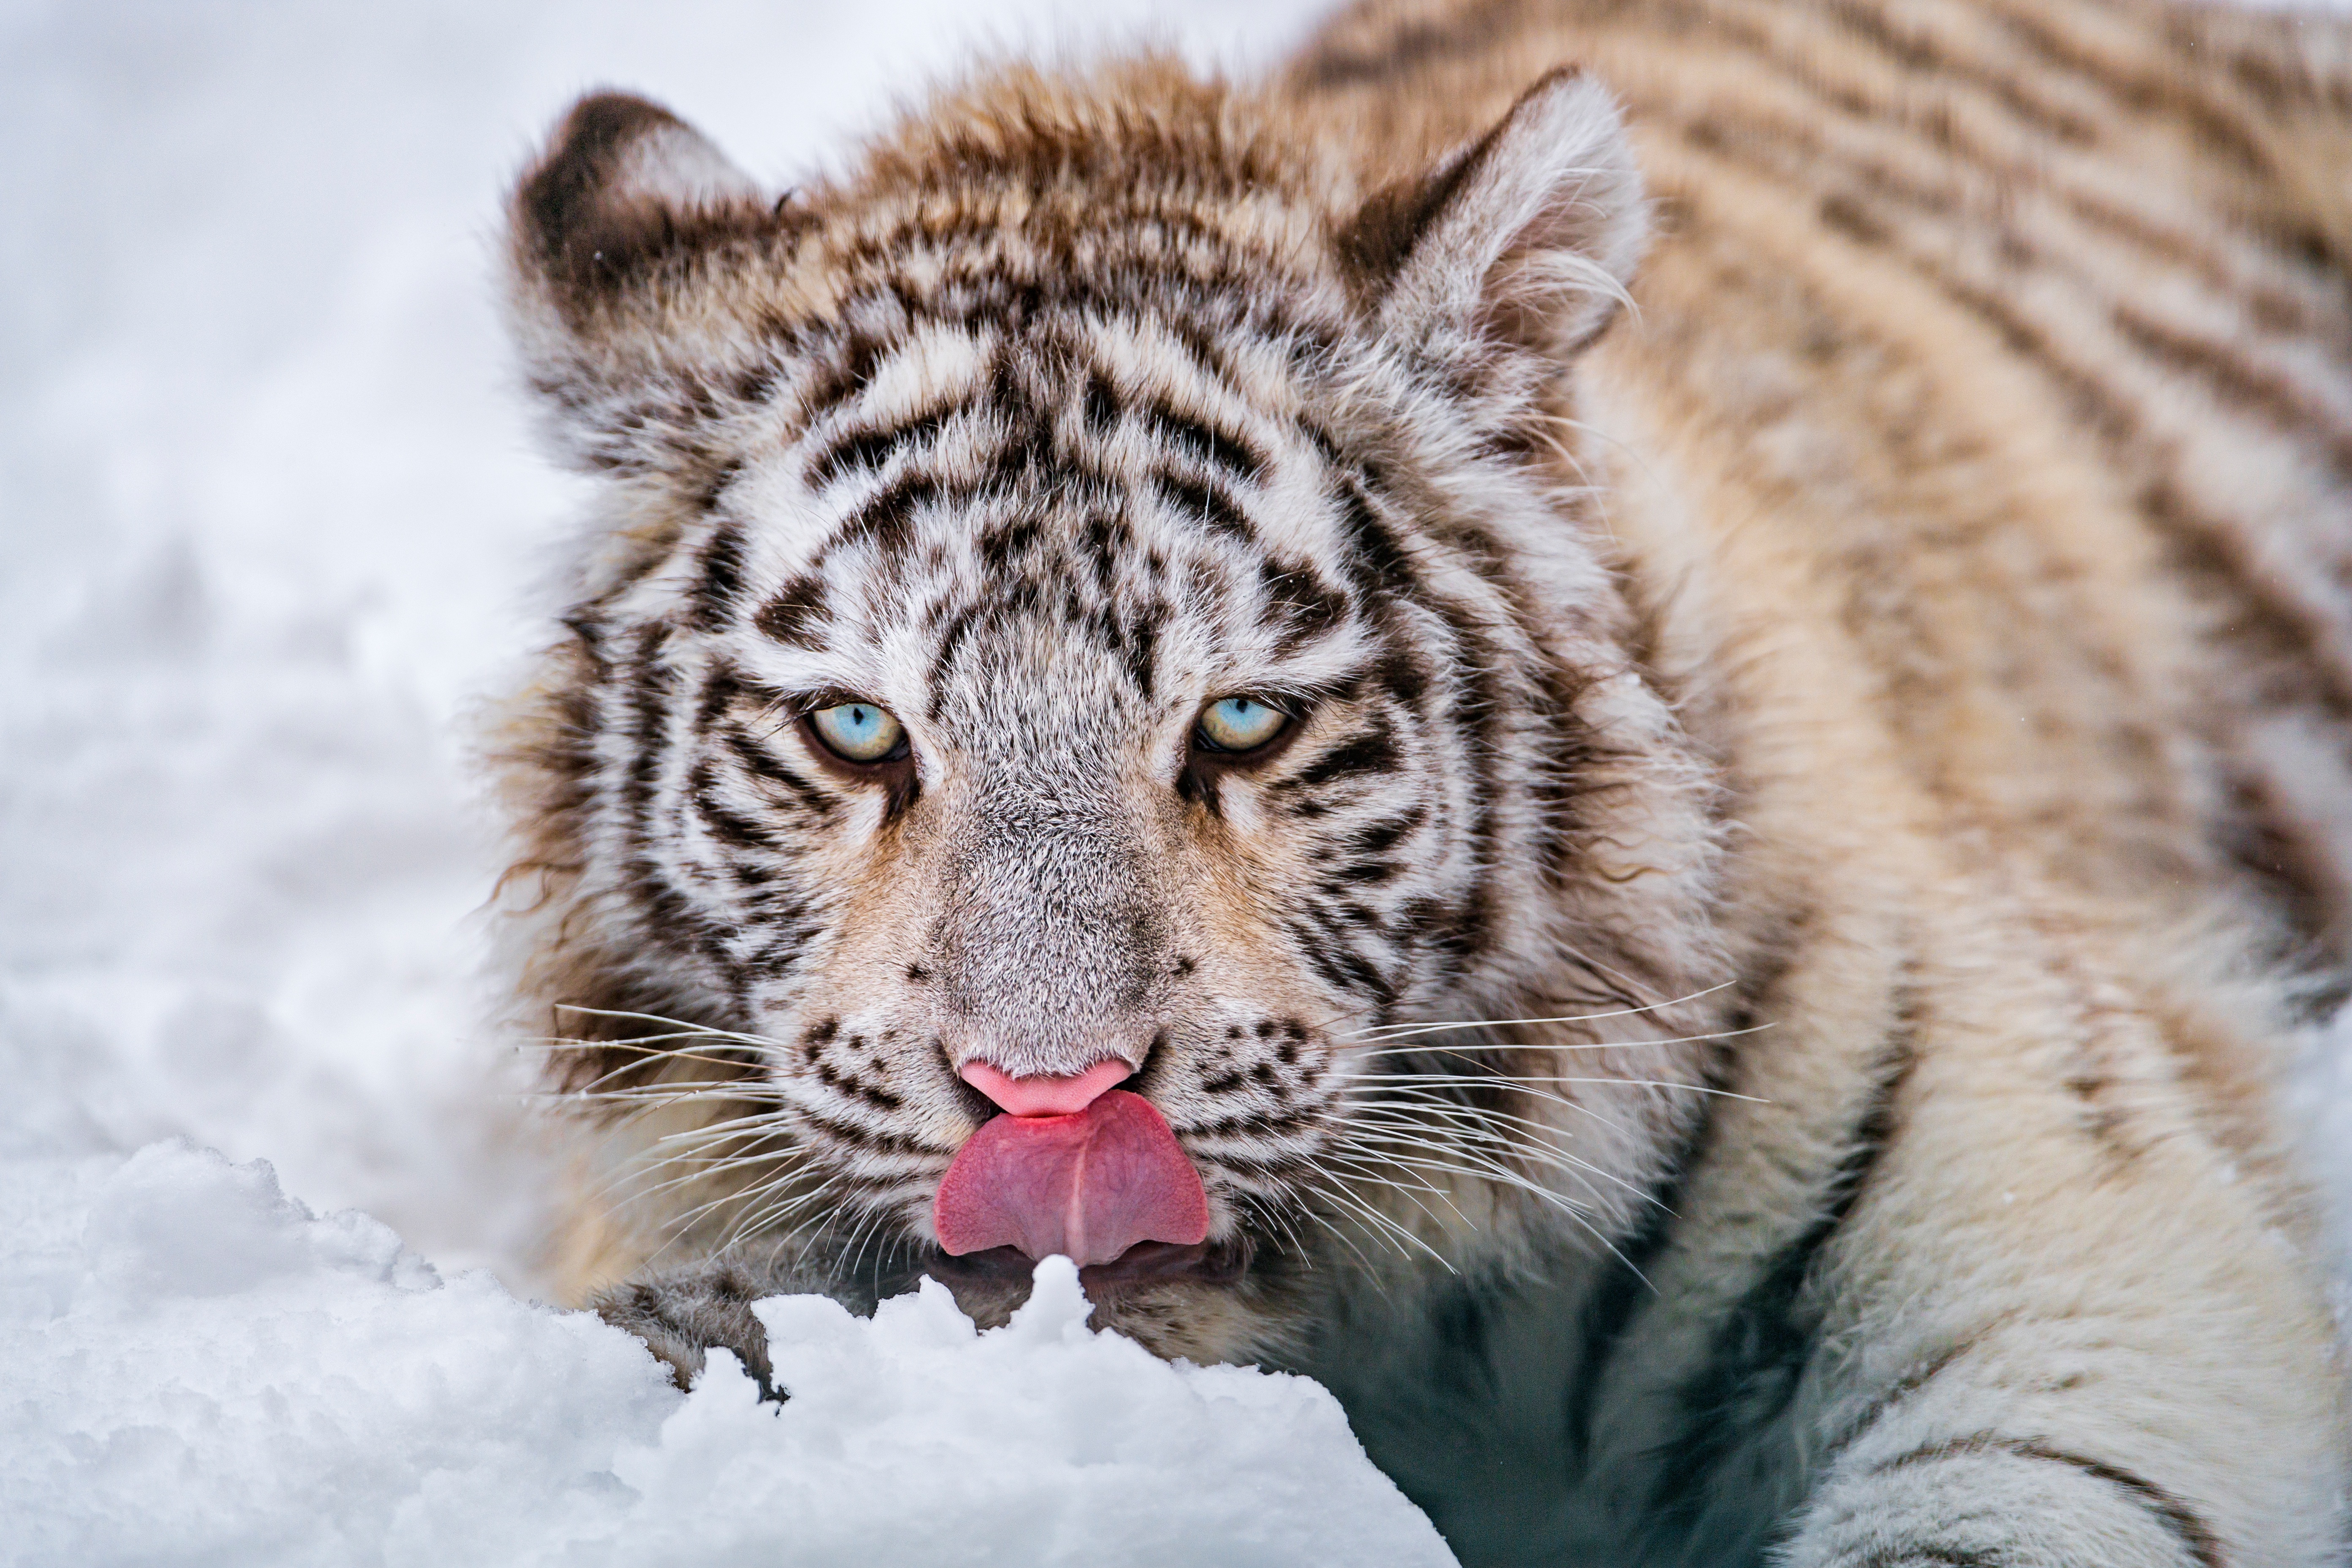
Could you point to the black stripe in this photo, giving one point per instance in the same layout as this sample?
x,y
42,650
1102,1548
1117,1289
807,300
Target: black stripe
x,y
943,655
1920,55
1379,837
651,684
795,614
2186,1525
1373,751
720,689
717,485
1108,543
720,580
2238,382
868,1140
726,824
1143,630
1318,938
1765,1341
873,448
1579,765
1887,188
664,913
2105,408
587,628
887,516
1403,676
1479,710
1381,561
1002,544
1196,499
2217,128
1203,442
1299,605
1101,406
838,368
765,765
1892,1398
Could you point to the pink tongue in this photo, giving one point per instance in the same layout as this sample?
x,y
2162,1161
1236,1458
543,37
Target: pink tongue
x,y
1088,1186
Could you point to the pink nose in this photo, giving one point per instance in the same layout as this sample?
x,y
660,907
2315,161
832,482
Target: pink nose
x,y
1047,1096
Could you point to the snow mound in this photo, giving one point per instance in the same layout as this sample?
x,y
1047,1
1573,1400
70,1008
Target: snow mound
x,y
195,1368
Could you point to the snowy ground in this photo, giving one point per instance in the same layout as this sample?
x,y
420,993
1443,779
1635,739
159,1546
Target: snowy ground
x,y
271,523
201,1372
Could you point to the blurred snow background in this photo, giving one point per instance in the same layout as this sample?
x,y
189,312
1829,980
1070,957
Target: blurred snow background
x,y
271,525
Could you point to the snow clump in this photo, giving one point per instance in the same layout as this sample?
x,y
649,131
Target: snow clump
x,y
199,1369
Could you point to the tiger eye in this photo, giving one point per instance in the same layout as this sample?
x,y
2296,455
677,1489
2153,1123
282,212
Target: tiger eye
x,y
1240,724
859,733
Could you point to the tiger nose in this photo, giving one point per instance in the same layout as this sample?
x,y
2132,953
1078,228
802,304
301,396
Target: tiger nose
x,y
1047,1096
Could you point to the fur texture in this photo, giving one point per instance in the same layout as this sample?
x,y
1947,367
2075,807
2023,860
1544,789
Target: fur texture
x,y
1733,1022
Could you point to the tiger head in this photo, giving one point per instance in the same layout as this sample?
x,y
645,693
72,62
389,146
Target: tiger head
x,y
1093,674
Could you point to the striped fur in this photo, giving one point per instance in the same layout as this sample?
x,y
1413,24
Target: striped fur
x,y
1735,1023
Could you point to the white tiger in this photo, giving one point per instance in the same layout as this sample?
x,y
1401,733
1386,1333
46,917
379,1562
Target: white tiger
x,y
1690,906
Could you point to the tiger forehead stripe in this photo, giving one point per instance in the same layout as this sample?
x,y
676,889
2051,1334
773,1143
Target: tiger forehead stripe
x,y
911,396
1196,404
939,363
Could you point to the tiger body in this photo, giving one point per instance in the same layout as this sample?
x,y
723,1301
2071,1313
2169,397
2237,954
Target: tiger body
x,y
1733,1021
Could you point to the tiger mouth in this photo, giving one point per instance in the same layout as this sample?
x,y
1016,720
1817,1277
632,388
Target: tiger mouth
x,y
1145,1265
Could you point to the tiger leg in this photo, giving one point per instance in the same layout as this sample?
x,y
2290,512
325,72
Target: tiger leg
x,y
2067,1327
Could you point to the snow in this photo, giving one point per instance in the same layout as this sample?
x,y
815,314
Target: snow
x,y
272,526
202,1370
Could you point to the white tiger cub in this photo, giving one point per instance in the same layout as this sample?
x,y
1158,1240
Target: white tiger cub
x,y
1690,906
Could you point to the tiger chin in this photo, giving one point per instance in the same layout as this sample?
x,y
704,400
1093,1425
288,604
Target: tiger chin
x,y
1624,726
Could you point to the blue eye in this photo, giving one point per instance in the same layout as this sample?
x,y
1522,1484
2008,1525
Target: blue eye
x,y
1240,724
859,733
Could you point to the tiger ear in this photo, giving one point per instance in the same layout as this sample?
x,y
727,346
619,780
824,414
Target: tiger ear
x,y
1529,235
621,237
623,188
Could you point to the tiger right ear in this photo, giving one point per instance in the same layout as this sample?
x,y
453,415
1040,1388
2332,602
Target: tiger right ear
x,y
1529,235
627,239
623,187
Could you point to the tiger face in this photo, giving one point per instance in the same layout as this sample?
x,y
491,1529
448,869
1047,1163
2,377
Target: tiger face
x,y
1068,630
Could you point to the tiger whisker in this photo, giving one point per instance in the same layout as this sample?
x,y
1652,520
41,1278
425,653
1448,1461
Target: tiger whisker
x,y
642,1044
1451,1048
775,1210
700,1173
760,1206
685,1024
653,1094
717,1131
1487,1120
1515,1080
1485,1171
1398,1136
1424,1187
1338,1232
1402,1031
1385,1225
1421,1101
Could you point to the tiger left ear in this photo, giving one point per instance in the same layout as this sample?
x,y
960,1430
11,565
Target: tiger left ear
x,y
1529,235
